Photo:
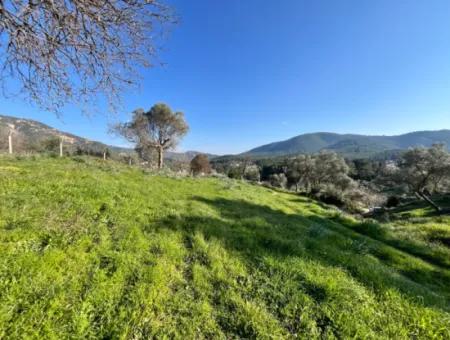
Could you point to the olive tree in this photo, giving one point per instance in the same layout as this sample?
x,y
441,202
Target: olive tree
x,y
313,172
299,172
64,51
420,171
158,129
278,180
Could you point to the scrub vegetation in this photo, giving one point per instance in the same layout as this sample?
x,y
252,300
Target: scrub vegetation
x,y
98,249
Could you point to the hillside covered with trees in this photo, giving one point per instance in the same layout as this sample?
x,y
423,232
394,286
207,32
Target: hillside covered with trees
x,y
351,145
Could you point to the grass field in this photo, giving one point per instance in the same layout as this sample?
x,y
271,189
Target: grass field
x,y
93,249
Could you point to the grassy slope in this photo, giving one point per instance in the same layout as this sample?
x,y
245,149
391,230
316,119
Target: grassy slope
x,y
100,250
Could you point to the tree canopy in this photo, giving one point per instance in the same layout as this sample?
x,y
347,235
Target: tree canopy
x,y
200,165
158,129
312,172
420,171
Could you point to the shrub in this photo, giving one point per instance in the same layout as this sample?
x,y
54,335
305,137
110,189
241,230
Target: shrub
x,y
331,198
51,144
235,173
200,165
252,173
355,199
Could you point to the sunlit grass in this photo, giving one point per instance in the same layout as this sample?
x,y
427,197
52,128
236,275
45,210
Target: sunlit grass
x,y
94,249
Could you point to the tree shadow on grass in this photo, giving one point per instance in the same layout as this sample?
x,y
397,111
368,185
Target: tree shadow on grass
x,y
257,230
374,230
407,210
377,232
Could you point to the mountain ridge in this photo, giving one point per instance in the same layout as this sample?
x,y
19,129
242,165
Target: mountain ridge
x,y
32,133
350,145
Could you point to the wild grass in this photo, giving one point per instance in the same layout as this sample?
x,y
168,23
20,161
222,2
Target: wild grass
x,y
94,249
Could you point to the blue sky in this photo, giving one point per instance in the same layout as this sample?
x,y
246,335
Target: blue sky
x,y
251,72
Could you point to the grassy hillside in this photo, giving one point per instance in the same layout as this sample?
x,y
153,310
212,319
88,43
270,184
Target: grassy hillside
x,y
98,250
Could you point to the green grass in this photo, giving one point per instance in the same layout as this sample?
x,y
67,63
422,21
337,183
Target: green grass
x,y
99,250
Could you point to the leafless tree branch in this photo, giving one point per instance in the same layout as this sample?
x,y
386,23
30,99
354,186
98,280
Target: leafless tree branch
x,y
65,51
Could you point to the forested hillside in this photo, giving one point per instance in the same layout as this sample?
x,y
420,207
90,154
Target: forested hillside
x,y
351,145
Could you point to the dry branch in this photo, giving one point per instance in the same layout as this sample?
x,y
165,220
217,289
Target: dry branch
x,y
65,51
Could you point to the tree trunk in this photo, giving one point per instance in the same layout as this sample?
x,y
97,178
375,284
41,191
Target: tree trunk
x,y
160,157
10,143
429,201
104,155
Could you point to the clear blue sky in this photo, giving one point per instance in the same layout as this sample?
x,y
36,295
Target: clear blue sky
x,y
251,72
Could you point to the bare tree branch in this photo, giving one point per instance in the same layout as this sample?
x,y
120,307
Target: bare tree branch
x,y
65,51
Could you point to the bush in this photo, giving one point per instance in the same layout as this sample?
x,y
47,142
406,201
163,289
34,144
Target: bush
x,y
252,174
235,173
51,145
200,165
355,199
330,198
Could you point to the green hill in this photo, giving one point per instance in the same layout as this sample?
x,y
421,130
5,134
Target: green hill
x,y
94,249
351,145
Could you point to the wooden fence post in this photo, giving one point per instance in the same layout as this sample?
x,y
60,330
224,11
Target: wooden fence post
x,y
10,142
61,146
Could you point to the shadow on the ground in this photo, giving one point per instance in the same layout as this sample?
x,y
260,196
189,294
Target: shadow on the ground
x,y
407,210
257,230
377,232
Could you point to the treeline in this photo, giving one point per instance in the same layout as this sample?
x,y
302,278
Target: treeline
x,y
351,184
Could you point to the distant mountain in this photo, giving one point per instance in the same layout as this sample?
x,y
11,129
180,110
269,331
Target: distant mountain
x,y
350,145
186,156
31,134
